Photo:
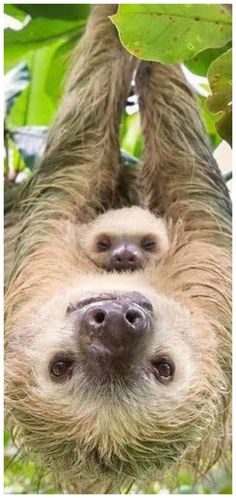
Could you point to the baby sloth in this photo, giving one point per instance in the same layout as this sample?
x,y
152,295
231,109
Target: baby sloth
x,y
125,239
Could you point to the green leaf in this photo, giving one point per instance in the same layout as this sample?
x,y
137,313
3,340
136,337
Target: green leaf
x,y
130,134
56,11
17,163
34,106
209,122
36,34
173,32
200,63
14,11
220,102
57,69
14,83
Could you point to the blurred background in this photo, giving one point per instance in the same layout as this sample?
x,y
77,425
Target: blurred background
x,y
38,42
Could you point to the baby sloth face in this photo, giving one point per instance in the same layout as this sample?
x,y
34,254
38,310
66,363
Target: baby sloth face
x,y
125,239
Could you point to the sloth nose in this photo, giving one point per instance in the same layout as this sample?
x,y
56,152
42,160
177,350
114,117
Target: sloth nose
x,y
111,330
126,257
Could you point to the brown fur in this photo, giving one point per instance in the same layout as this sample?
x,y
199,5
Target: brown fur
x,y
127,193
86,435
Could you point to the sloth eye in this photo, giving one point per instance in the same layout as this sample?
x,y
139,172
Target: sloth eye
x,y
163,369
148,244
103,244
61,368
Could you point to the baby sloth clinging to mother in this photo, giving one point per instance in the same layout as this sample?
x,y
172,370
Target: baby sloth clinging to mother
x,y
125,239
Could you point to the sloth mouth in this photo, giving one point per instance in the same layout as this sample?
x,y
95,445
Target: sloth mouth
x,y
135,297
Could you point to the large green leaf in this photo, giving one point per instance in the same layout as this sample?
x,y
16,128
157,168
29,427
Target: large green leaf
x,y
34,106
200,63
172,32
220,80
36,34
56,11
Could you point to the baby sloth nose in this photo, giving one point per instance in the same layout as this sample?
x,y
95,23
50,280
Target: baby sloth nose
x,y
126,257
113,331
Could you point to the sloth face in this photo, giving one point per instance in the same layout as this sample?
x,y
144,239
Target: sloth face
x,y
125,239
114,335
115,377
114,339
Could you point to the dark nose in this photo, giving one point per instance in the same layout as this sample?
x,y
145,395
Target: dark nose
x,y
126,257
113,330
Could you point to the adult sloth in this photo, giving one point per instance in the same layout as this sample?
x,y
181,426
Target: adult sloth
x,y
115,376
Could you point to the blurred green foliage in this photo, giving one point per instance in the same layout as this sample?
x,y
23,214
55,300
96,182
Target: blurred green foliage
x,y
36,61
22,477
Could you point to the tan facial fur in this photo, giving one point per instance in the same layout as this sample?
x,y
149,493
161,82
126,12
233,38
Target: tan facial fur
x,y
132,225
101,423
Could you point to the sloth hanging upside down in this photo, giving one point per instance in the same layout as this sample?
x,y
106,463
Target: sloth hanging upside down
x,y
112,376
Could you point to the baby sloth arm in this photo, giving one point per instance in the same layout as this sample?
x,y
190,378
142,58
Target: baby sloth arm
x,y
125,239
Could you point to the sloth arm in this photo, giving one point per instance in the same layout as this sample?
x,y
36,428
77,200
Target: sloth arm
x,y
78,174
81,163
179,175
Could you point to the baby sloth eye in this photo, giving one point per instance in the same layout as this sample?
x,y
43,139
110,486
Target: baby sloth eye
x,y
163,369
148,244
103,244
61,369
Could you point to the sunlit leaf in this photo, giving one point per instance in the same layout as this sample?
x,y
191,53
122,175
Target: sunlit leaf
x,y
172,32
220,80
14,11
34,106
200,63
131,137
36,34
